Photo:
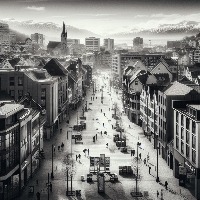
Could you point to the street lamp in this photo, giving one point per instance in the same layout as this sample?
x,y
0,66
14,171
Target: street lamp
x,y
138,144
157,178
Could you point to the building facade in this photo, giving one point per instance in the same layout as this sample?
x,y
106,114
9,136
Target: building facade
x,y
187,145
109,44
92,44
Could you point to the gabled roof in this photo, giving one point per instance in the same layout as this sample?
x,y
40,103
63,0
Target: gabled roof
x,y
164,64
177,89
169,61
52,44
136,74
54,68
14,61
185,80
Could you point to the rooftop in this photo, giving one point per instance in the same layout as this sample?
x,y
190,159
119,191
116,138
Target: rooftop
x,y
197,106
9,108
177,89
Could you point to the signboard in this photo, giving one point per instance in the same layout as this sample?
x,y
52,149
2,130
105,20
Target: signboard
x,y
91,161
96,161
102,160
107,161
182,170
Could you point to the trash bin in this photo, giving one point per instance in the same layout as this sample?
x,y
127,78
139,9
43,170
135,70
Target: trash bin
x,y
82,178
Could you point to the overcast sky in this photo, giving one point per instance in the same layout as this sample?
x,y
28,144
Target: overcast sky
x,y
102,16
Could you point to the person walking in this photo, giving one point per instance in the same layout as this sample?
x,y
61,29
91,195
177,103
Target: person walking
x,y
101,110
166,184
101,133
96,136
145,161
149,170
58,148
103,124
104,114
157,194
76,157
88,152
140,156
79,156
54,149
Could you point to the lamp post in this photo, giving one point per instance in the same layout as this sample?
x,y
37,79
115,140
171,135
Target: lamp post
x,y
157,178
138,144
52,176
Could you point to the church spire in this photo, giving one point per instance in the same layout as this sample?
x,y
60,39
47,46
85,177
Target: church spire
x,y
63,32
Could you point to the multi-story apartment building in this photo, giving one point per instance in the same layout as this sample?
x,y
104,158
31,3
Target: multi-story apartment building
x,y
186,131
92,44
120,61
149,112
55,69
21,136
39,85
37,38
175,91
109,44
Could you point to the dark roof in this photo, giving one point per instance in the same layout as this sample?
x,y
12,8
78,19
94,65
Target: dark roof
x,y
170,61
162,79
143,78
185,80
54,68
14,61
52,44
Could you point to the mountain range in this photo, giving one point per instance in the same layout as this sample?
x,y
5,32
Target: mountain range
x,y
181,29
52,31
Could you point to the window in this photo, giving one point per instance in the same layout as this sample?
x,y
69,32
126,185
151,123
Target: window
x,y
187,137
193,156
187,123
20,81
182,120
193,127
136,82
177,115
12,93
187,151
182,147
182,133
177,143
43,93
193,141
43,102
12,81
20,93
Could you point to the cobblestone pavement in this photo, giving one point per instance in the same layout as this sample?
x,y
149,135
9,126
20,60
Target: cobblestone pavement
x,y
64,159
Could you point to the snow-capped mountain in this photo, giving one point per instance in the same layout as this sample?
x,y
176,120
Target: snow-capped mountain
x,y
183,28
51,30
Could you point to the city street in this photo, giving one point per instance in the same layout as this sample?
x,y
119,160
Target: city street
x,y
94,125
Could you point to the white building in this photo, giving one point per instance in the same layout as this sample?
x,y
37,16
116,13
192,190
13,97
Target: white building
x,y
37,38
92,43
109,44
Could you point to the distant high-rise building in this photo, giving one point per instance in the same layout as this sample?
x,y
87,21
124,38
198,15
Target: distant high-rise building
x,y
92,43
4,36
109,44
37,38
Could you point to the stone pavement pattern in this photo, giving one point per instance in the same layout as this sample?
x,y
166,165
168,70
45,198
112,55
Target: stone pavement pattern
x,y
95,120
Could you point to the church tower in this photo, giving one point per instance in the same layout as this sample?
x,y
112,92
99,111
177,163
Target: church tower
x,y
64,40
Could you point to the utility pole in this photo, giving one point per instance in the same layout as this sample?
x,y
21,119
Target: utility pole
x,y
52,176
138,144
157,178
